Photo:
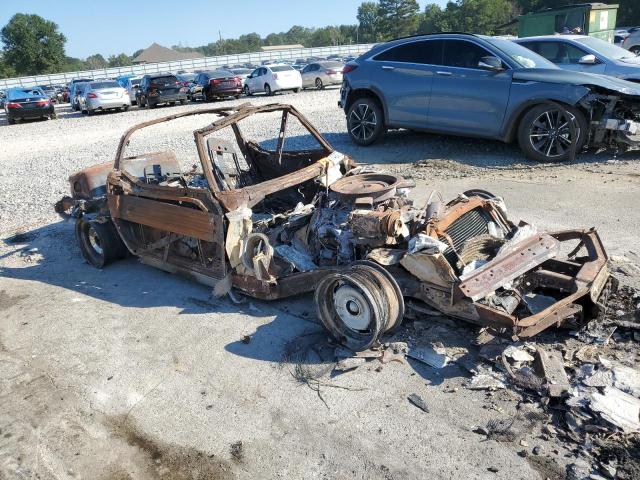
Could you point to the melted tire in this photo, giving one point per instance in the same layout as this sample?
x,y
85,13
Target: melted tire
x,y
100,243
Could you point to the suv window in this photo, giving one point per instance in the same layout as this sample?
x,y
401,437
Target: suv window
x,y
558,52
463,54
427,52
164,80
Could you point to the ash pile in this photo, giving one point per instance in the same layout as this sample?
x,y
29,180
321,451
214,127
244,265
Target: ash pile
x,y
576,388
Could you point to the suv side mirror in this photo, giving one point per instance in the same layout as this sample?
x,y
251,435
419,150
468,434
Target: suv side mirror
x,y
588,60
491,63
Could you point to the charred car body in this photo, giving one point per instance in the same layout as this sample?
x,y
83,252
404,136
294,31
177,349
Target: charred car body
x,y
275,222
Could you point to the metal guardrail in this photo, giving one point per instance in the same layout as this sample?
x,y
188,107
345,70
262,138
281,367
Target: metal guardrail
x,y
187,65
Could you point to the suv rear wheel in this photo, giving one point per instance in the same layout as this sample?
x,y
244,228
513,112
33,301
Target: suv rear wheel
x,y
544,134
365,121
99,243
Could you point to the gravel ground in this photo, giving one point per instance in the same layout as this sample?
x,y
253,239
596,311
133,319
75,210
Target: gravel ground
x,y
130,373
38,156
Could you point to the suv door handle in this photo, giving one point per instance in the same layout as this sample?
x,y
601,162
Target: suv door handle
x,y
444,74
388,67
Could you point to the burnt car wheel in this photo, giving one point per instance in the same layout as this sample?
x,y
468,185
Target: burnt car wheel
x,y
358,305
545,133
99,243
365,121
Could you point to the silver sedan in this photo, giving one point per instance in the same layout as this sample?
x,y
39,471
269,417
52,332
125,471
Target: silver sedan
x,y
322,74
103,95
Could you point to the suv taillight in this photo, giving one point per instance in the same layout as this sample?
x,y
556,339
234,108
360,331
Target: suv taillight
x,y
13,105
215,81
349,68
43,103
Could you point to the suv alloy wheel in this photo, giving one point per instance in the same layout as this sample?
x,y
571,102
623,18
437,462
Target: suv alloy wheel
x,y
365,121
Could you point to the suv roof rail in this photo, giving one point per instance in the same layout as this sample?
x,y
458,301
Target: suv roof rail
x,y
429,34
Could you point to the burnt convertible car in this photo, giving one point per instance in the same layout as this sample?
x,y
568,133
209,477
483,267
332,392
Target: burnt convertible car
x,y
273,222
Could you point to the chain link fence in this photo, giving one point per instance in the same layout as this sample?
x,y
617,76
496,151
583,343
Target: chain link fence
x,y
191,65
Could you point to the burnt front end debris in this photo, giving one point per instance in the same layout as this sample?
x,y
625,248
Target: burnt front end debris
x,y
274,221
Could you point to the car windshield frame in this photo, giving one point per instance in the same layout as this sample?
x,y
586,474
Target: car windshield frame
x,y
331,64
221,73
281,68
605,49
18,93
103,85
520,55
162,79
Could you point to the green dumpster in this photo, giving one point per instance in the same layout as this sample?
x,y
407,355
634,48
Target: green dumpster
x,y
594,19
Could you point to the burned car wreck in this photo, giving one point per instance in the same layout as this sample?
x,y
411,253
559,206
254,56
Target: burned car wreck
x,y
276,222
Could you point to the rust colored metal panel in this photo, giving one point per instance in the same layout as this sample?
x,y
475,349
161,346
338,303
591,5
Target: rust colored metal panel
x,y
554,315
163,216
551,366
294,284
500,271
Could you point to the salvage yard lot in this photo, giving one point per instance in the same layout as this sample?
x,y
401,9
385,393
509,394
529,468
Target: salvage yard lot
x,y
132,373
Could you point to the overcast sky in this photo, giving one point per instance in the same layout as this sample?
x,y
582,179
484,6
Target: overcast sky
x,y
114,26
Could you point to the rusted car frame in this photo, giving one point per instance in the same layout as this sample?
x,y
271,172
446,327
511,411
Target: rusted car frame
x,y
278,222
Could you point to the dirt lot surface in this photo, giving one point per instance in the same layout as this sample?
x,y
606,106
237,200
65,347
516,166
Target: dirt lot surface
x,y
130,373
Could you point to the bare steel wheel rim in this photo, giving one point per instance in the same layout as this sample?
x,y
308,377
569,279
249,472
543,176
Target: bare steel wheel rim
x,y
352,308
363,121
94,241
550,133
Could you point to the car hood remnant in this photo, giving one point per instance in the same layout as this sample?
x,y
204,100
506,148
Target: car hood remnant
x,y
278,222
584,79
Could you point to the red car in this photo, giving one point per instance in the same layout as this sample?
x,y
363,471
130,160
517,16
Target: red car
x,y
216,84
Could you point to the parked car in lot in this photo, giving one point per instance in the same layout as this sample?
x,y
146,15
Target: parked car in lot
x,y
471,85
585,54
632,42
132,85
75,88
103,96
322,74
273,78
160,88
243,73
27,103
187,79
216,84
49,91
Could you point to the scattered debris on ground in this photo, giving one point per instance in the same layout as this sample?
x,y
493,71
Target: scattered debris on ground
x,y
571,389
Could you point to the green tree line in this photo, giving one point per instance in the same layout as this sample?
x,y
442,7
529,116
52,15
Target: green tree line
x,y
32,45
